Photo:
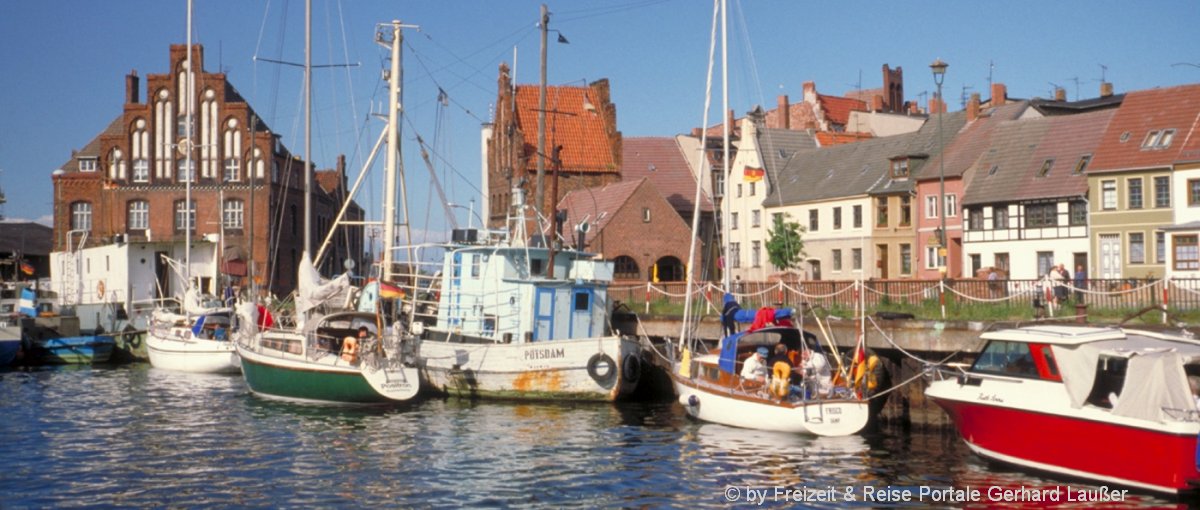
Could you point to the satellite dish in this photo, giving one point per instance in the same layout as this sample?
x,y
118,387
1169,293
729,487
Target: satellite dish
x,y
584,227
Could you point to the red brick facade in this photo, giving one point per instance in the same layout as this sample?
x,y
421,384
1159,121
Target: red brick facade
x,y
583,121
129,180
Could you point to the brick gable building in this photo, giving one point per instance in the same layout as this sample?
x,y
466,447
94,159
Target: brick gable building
x,y
582,120
130,181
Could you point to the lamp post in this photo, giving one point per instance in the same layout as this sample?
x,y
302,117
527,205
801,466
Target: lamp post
x,y
939,76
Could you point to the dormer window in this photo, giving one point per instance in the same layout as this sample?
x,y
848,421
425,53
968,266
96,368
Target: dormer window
x,y
1046,166
900,168
87,164
1158,139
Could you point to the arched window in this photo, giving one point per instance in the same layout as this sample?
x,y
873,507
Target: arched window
x,y
232,214
669,269
81,216
625,268
138,217
116,164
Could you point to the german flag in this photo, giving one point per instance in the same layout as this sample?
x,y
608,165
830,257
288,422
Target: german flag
x,y
26,268
390,291
752,174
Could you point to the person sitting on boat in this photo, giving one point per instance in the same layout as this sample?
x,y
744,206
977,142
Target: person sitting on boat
x,y
755,367
817,371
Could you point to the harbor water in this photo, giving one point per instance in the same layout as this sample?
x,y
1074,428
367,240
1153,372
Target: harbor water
x,y
134,436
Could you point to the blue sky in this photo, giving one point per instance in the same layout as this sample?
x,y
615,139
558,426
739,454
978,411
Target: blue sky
x,y
65,62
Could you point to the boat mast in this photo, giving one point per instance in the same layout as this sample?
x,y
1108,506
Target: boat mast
x,y
189,104
308,177
725,136
392,158
702,162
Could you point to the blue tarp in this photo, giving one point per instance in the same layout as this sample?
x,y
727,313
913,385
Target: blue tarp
x,y
26,303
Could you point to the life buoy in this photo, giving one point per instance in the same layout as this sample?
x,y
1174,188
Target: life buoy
x,y
350,349
781,374
100,289
603,369
631,368
133,340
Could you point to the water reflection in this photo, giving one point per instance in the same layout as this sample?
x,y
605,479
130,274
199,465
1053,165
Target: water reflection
x,y
139,437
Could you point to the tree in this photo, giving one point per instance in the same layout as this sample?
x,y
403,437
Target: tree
x,y
785,248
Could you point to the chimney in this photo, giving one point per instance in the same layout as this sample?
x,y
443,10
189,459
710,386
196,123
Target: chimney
x,y
1060,94
999,94
785,114
936,105
877,103
731,119
810,92
696,132
1106,89
131,87
973,108
913,107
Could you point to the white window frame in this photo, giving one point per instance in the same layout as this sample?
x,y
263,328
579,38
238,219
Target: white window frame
x,y
951,205
137,215
88,165
931,206
141,170
233,214
1108,194
81,216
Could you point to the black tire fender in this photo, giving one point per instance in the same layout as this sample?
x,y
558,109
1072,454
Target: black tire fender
x,y
603,369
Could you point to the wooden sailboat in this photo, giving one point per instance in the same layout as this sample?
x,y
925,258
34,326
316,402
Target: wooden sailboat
x,y
337,352
710,384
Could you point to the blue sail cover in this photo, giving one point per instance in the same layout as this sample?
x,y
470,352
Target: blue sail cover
x,y
728,360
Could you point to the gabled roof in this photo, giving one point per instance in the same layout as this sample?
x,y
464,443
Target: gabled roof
x,y
25,237
92,149
778,146
826,139
963,146
1019,150
854,169
837,109
1142,112
581,132
1051,107
661,160
598,205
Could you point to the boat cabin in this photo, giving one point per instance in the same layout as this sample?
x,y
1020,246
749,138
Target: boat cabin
x,y
510,295
1138,374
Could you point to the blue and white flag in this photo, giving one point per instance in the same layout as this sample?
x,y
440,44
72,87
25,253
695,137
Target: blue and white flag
x,y
26,303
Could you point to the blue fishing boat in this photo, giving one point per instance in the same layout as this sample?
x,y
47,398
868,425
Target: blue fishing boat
x,y
70,350
10,340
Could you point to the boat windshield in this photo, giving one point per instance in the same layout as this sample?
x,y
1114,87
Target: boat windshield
x,y
1006,358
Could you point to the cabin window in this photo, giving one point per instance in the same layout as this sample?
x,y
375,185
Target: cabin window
x,y
1006,358
583,301
1110,379
1047,367
537,267
476,265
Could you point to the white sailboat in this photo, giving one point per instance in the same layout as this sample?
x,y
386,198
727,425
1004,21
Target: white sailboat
x,y
195,338
709,383
339,352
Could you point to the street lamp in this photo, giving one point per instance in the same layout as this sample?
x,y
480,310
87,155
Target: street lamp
x,y
939,75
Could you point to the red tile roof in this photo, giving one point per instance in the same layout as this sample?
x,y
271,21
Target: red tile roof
x,y
826,139
1144,111
581,132
597,205
837,109
660,160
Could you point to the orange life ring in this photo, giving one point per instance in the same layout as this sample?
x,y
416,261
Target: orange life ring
x,y
350,349
781,374
100,289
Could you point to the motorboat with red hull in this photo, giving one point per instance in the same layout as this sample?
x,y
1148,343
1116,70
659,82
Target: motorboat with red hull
x,y
1107,405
